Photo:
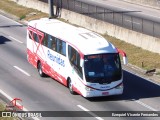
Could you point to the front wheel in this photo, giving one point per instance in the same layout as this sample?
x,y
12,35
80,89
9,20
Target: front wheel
x,y
70,86
40,71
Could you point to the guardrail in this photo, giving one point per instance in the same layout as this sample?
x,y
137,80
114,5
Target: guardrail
x,y
120,18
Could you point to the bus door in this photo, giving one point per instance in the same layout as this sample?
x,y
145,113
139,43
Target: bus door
x,y
76,69
61,60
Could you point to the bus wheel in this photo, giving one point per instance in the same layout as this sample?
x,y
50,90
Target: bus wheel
x,y
70,87
41,73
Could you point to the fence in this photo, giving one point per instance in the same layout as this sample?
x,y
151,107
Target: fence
x,y
120,18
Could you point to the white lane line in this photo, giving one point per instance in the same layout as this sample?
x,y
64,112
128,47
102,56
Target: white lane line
x,y
10,99
15,39
11,20
139,102
5,94
22,70
145,105
91,113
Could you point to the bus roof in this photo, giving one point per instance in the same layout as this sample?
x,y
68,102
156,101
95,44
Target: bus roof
x,y
86,41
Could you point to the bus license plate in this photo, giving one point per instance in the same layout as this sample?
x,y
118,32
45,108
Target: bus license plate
x,y
105,93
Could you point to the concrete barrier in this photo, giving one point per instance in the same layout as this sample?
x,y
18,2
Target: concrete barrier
x,y
141,40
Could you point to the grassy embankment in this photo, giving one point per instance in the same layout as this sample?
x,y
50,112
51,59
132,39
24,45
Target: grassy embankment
x,y
136,56
2,108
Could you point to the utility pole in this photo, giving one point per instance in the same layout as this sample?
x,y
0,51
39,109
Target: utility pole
x,y
51,10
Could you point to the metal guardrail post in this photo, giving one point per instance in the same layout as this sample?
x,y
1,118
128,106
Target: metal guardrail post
x,y
51,10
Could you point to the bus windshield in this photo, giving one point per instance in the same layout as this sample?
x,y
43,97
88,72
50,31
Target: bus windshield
x,y
102,68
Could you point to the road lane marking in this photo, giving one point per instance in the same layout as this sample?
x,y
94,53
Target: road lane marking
x,y
11,20
6,95
15,39
137,101
91,113
10,99
145,105
22,70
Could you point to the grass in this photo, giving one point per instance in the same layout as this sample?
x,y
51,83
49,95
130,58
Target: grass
x,y
136,56
2,108
20,11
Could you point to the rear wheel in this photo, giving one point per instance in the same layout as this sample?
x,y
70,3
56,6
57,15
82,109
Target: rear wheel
x,y
70,86
40,71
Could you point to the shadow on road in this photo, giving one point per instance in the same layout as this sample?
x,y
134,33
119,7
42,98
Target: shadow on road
x,y
135,88
3,40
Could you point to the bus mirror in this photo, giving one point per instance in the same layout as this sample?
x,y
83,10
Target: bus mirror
x,y
125,60
121,52
81,62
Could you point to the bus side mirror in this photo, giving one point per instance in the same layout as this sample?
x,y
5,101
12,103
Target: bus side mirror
x,y
125,60
121,52
81,62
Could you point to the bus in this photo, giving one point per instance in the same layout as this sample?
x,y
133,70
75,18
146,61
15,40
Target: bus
x,y
80,59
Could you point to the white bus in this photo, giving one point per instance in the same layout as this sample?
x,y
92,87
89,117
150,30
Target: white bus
x,y
80,59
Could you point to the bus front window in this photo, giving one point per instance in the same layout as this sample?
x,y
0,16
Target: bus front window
x,y
102,68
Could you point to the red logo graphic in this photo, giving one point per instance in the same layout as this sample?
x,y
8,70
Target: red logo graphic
x,y
13,105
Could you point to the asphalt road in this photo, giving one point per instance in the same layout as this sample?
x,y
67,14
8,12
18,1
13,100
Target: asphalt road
x,y
133,9
138,18
19,79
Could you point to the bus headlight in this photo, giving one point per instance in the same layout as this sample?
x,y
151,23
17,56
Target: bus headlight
x,y
120,86
88,88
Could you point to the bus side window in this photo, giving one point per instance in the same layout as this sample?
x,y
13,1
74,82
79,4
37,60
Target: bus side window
x,y
35,36
45,40
74,58
63,51
54,41
30,33
69,53
72,55
61,47
40,38
50,41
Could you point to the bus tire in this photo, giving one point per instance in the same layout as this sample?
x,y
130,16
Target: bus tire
x,y
40,71
70,87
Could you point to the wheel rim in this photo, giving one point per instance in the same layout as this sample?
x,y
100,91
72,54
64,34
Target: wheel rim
x,y
70,86
39,69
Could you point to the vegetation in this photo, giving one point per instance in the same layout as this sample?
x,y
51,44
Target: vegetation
x,y
2,108
20,11
136,55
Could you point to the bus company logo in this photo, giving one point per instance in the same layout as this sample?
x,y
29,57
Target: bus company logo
x,y
56,59
14,105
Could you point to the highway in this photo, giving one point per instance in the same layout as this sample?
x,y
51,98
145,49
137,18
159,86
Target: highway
x,y
20,79
132,9
131,16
